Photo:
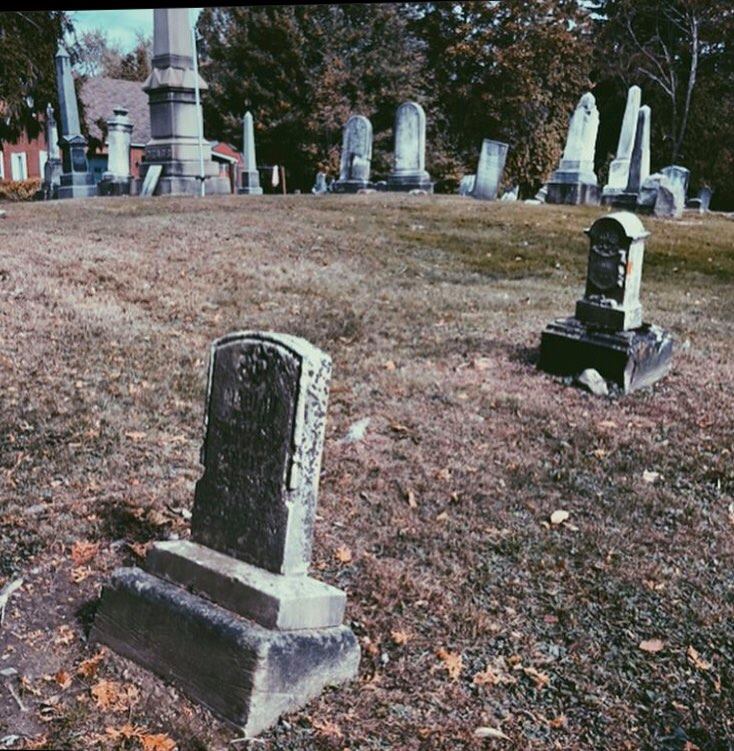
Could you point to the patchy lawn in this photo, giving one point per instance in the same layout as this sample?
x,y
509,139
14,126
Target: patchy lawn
x,y
611,630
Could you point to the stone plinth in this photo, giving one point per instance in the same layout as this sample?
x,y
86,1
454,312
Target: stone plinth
x,y
232,616
174,114
574,182
409,171
607,333
489,170
356,158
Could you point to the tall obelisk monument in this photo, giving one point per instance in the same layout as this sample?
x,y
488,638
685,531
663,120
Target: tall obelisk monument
x,y
174,142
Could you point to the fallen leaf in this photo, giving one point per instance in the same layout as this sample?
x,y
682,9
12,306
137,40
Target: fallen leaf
x,y
442,517
443,474
65,635
541,680
329,729
390,365
651,645
695,659
63,679
140,549
343,554
410,497
558,722
452,662
486,678
559,516
126,732
400,637
135,435
114,696
607,424
82,551
485,732
81,573
88,668
157,742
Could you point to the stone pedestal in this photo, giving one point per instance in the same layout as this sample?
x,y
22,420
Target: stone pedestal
x,y
409,171
607,333
574,182
233,616
174,114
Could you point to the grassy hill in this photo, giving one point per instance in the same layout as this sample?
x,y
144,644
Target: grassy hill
x,y
471,608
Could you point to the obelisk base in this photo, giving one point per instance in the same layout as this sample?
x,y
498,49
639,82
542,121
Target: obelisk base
x,y
631,359
405,182
247,674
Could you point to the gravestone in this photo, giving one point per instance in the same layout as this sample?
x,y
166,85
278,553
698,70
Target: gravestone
x,y
175,114
232,615
491,165
607,333
639,169
671,197
52,169
356,159
320,186
619,168
250,176
704,197
117,179
466,185
150,181
76,180
649,193
409,170
575,182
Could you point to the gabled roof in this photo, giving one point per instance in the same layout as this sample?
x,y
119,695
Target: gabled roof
x,y
101,95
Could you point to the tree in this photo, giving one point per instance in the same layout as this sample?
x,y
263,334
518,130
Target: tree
x,y
97,56
303,70
28,44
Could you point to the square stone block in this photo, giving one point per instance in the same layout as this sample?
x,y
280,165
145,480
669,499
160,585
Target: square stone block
x,y
245,673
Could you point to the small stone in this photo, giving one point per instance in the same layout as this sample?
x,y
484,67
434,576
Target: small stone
x,y
3,214
356,431
593,382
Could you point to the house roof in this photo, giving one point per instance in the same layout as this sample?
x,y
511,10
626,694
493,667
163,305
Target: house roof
x,y
101,95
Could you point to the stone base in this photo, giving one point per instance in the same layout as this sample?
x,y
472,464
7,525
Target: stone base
x,y
245,673
626,201
631,359
573,194
250,184
350,186
77,185
406,183
114,187
607,317
272,600
186,185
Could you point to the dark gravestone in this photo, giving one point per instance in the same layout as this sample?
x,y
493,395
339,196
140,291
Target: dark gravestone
x,y
607,333
232,616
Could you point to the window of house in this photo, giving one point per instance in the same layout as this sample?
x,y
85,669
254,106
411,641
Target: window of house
x,y
19,166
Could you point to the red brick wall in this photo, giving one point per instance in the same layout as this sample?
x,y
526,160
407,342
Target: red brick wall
x,y
32,150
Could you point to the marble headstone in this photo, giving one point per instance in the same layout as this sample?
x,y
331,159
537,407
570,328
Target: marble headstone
x,y
491,165
575,182
117,179
620,166
409,170
607,334
671,196
356,157
232,615
466,185
250,175
320,186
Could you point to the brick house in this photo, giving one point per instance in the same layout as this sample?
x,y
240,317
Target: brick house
x,y
26,158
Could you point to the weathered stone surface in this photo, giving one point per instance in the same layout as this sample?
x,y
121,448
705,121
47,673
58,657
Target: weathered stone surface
x,y
671,197
616,251
266,412
356,158
466,185
247,674
649,193
592,381
631,359
174,115
575,182
620,166
409,171
320,186
250,176
117,179
272,600
491,165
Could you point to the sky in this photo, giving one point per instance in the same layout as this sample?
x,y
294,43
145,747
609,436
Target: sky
x,y
120,25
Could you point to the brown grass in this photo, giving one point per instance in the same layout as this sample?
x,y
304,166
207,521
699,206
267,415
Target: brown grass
x,y
108,308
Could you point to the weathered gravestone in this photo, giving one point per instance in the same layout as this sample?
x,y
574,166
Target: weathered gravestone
x,y
356,159
466,185
409,171
320,185
232,616
619,168
250,176
575,182
117,179
671,196
607,333
639,168
491,165
52,169
76,180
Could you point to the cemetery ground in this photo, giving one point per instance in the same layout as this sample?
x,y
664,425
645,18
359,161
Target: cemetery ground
x,y
486,618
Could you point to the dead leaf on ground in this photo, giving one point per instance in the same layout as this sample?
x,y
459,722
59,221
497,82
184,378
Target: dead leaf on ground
x,y
695,659
83,551
88,668
343,554
559,516
390,365
485,732
329,729
410,497
400,637
63,679
486,678
452,662
157,742
652,645
541,680
114,696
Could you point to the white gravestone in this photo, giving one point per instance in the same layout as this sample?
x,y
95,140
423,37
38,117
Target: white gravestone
x,y
409,171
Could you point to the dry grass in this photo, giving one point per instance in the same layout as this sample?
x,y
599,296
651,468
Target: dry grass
x,y
108,308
